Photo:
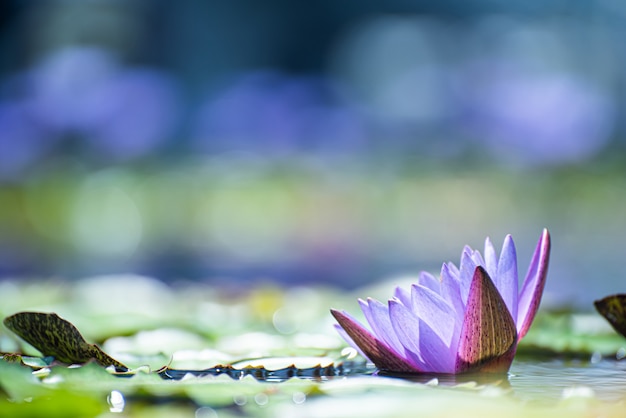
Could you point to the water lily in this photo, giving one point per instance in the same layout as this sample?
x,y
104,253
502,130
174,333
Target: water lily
x,y
470,319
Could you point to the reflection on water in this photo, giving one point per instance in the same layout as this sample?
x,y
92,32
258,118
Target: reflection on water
x,y
549,380
265,374
465,379
528,380
556,379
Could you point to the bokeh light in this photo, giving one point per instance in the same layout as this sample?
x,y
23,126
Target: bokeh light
x,y
332,143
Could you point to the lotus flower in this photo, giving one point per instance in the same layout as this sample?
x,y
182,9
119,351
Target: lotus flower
x,y
469,320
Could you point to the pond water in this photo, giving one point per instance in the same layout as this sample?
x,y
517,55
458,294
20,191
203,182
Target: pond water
x,y
229,358
545,380
535,386
556,379
528,379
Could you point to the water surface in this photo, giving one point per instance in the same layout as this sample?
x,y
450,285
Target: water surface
x,y
557,379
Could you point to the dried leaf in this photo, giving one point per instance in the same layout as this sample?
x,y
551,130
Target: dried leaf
x,y
54,336
613,308
13,358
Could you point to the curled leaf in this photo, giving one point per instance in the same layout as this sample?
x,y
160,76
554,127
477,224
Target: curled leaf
x,y
55,337
13,358
613,309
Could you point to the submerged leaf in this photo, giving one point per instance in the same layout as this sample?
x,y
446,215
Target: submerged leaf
x,y
613,308
488,337
54,336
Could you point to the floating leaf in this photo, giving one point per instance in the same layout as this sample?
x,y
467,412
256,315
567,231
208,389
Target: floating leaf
x,y
13,358
54,336
613,308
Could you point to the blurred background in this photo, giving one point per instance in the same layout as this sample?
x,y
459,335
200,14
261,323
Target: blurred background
x,y
301,143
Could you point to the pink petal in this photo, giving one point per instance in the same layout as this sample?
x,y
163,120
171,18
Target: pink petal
x,y
532,289
506,276
377,351
488,336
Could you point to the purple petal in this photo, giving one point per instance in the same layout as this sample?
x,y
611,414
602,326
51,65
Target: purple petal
x,y
406,325
491,261
488,336
466,272
506,276
377,351
349,340
431,350
402,295
452,270
450,274
532,289
429,281
377,314
477,258
435,312
451,288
